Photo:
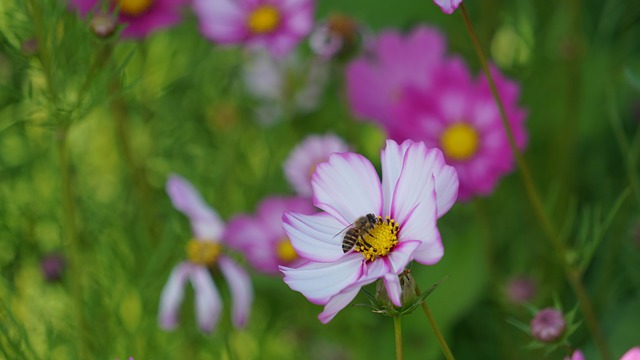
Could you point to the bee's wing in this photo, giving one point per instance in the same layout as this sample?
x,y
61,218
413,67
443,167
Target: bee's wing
x,y
343,230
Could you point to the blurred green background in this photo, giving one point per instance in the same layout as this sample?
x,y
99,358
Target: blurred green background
x,y
131,112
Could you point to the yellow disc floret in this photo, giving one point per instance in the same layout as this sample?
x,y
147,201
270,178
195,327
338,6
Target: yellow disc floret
x,y
286,253
459,141
264,19
379,240
134,7
203,253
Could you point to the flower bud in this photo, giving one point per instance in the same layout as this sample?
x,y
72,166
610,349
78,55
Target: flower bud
x,y
548,325
520,290
52,266
407,296
103,25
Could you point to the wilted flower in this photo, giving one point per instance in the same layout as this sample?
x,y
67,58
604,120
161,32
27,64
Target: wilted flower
x,y
369,230
548,325
337,36
376,80
448,6
277,25
204,252
52,266
141,17
521,289
261,238
304,158
461,118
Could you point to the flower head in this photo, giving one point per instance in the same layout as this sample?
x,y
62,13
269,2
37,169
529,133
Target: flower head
x,y
204,252
462,119
448,6
548,325
375,81
261,237
140,17
382,226
304,158
277,25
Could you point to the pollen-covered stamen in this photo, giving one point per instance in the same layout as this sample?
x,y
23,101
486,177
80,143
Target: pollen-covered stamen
x,y
204,253
379,240
264,19
134,7
460,141
285,251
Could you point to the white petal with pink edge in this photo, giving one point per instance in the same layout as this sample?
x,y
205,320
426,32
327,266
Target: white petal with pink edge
x,y
401,255
172,296
208,302
315,237
394,290
337,303
241,290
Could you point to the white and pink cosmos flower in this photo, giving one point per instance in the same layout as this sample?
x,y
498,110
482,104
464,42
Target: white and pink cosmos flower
x,y
448,6
277,25
204,252
417,188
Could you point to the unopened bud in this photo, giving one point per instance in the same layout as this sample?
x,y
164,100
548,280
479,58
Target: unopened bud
x,y
103,25
407,295
548,325
521,289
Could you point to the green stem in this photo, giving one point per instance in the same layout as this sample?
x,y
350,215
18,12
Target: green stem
x,y
571,275
398,331
441,341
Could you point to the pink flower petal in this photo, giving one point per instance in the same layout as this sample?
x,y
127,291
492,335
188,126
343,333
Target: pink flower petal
x,y
337,303
421,226
448,6
205,223
241,290
394,290
208,302
319,282
172,295
314,237
632,354
347,187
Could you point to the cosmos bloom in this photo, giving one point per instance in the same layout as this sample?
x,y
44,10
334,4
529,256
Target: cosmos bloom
x,y
204,252
375,81
141,17
417,188
261,237
462,119
277,25
304,158
448,6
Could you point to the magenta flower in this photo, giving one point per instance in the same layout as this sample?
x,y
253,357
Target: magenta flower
x,y
204,252
396,218
262,239
448,6
303,159
462,119
632,354
140,17
277,25
576,355
376,80
548,325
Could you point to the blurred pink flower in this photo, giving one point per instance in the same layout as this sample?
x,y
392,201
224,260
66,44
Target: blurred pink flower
x,y
577,355
548,325
141,17
448,6
521,289
277,25
304,158
462,119
204,251
261,238
417,188
632,354
376,80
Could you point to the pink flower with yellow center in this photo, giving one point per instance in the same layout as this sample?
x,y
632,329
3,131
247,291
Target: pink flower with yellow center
x,y
303,159
462,119
204,253
140,17
448,6
277,25
369,230
261,238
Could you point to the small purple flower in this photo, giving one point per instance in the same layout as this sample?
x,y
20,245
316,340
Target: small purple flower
x,y
203,252
521,289
141,17
262,239
448,6
303,159
277,25
52,266
548,325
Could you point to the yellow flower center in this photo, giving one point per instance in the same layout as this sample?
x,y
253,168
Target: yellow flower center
x,y
459,141
203,253
134,7
286,253
379,240
264,19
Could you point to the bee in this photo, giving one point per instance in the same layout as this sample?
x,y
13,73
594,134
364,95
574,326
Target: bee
x,y
356,231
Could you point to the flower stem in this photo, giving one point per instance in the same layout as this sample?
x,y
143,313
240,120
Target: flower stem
x,y
443,343
551,233
398,331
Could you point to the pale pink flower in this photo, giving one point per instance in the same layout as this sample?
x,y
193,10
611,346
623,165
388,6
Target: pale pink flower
x,y
448,6
417,188
632,354
261,238
277,25
548,325
577,355
204,252
377,79
140,17
462,118
303,159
